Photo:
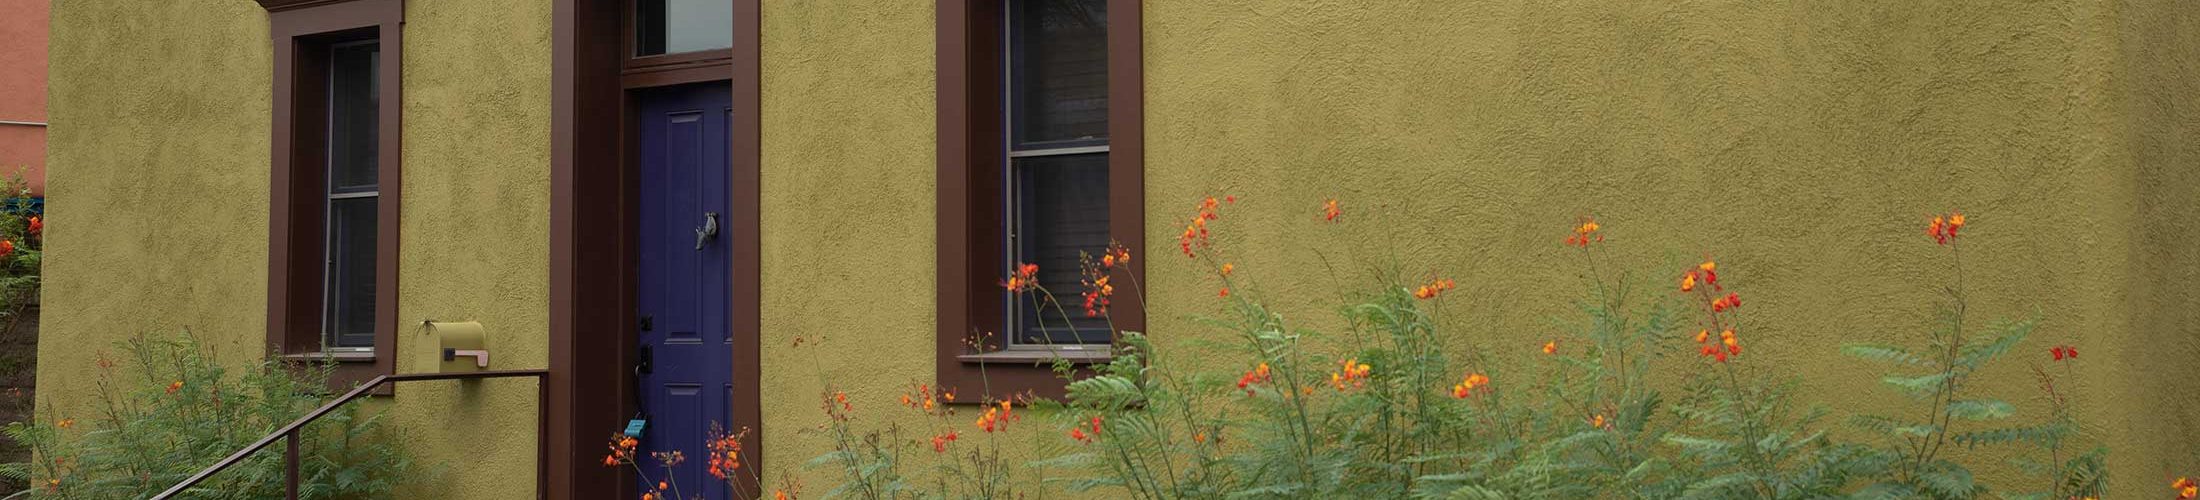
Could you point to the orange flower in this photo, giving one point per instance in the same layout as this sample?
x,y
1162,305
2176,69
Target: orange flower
x,y
1730,301
1195,234
1585,233
36,225
1352,372
1466,387
649,496
1329,210
1943,228
1597,421
1728,345
1024,279
1434,288
940,442
2186,488
779,494
1550,347
66,423
1199,437
1259,375
1225,292
1227,268
662,486
1688,282
175,386
7,247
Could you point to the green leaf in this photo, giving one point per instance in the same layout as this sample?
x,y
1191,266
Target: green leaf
x,y
1918,386
1886,353
1979,409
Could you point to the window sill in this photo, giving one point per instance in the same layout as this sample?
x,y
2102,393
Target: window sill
x,y
1078,355
338,356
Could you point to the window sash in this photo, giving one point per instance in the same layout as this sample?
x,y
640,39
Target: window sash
x,y
350,235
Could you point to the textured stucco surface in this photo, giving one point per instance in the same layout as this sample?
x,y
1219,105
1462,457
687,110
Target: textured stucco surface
x,y
162,135
846,215
475,235
158,217
1804,144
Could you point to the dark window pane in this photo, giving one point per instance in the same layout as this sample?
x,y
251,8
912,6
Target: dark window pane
x,y
354,113
1059,71
675,26
1061,209
351,249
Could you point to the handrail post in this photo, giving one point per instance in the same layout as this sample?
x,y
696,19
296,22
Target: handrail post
x,y
290,459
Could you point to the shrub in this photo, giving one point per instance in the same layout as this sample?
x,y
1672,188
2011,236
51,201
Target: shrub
x,y
1648,394
1392,415
175,410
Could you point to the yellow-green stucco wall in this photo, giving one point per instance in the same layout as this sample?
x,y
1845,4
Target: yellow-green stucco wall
x,y
1803,144
159,208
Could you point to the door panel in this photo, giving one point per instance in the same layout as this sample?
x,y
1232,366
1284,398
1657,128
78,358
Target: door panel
x,y
684,275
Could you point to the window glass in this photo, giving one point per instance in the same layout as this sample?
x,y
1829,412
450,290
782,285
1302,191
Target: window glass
x,y
1058,70
353,115
353,194
675,26
351,246
1061,209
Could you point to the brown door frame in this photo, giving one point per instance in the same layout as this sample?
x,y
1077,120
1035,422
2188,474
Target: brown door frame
x,y
592,258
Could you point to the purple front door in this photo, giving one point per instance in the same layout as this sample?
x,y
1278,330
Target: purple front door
x,y
685,374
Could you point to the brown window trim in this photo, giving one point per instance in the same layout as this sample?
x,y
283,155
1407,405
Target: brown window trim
x,y
970,151
297,191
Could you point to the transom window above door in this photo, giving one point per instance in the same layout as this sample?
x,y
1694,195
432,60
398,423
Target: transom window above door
x,y
681,26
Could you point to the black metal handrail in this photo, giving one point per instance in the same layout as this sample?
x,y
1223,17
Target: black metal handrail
x,y
289,433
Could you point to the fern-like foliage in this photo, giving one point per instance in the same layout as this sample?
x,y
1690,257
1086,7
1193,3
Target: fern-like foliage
x,y
168,409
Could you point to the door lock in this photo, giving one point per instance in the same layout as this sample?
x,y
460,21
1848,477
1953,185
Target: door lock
x,y
708,231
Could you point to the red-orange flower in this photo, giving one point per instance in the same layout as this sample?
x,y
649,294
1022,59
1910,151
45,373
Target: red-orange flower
x,y
1434,288
997,418
1329,210
1550,347
1195,233
1730,301
1467,387
1350,372
1728,345
175,386
1025,278
940,441
1944,227
36,225
2186,489
1259,375
1585,232
7,247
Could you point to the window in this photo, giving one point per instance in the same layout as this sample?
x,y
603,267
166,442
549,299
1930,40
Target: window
x,y
333,238
1039,161
1057,142
353,196
678,26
